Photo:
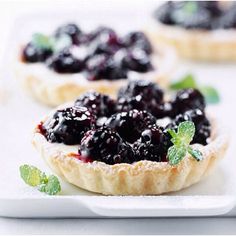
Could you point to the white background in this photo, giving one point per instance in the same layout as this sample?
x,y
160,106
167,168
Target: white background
x,y
219,75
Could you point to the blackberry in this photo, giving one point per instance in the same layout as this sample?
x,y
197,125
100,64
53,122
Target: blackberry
x,y
162,110
72,30
34,54
68,125
105,145
98,104
151,146
130,124
192,16
104,67
103,32
202,124
147,90
127,104
65,62
163,13
227,20
138,40
188,99
137,60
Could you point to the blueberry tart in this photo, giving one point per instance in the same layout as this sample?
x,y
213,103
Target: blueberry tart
x,y
137,144
59,67
201,30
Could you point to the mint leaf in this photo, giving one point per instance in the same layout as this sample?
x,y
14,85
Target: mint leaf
x,y
31,175
52,187
186,131
211,95
195,154
181,141
190,7
187,82
176,154
47,42
41,41
36,178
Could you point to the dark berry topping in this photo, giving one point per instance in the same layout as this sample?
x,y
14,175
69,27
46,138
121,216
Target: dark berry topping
x,y
72,30
34,54
98,104
105,145
68,125
138,40
143,88
130,103
126,130
104,67
151,146
202,125
130,124
193,14
137,60
188,99
100,54
65,62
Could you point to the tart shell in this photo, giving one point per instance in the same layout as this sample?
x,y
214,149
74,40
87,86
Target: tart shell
x,y
53,89
202,45
140,178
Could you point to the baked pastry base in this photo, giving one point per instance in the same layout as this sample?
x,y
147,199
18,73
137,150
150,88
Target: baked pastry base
x,y
140,178
53,89
215,45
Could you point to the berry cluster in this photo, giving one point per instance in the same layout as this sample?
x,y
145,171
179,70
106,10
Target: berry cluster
x,y
125,130
197,14
100,54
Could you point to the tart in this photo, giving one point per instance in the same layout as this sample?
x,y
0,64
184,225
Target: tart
x,y
119,147
58,68
199,30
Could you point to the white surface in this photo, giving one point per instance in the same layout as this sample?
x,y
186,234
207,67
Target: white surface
x,y
213,74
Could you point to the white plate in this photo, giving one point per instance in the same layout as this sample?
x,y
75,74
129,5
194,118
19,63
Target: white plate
x,y
216,195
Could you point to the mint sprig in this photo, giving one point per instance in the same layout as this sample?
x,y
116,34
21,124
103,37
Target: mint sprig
x,y
43,41
188,81
181,143
36,178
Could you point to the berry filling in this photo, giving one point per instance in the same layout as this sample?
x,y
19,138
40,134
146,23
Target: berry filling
x,y
106,55
130,128
206,15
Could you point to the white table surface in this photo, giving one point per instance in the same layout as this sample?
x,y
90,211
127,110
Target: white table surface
x,y
9,10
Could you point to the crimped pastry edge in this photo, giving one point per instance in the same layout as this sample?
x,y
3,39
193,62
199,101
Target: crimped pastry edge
x,y
214,45
140,178
53,93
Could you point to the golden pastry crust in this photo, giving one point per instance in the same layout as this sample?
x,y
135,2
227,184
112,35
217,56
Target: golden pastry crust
x,y
54,89
203,45
140,178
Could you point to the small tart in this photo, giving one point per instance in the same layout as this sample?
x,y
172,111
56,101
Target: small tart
x,y
198,30
53,89
205,45
140,178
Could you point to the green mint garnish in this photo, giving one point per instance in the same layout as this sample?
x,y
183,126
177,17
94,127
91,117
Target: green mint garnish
x,y
190,7
36,178
211,94
41,41
181,140
48,42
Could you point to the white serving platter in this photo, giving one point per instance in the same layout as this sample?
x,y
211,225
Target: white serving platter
x,y
216,195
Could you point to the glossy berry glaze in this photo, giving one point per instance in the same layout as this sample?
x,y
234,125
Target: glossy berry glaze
x,y
106,131
100,54
206,15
